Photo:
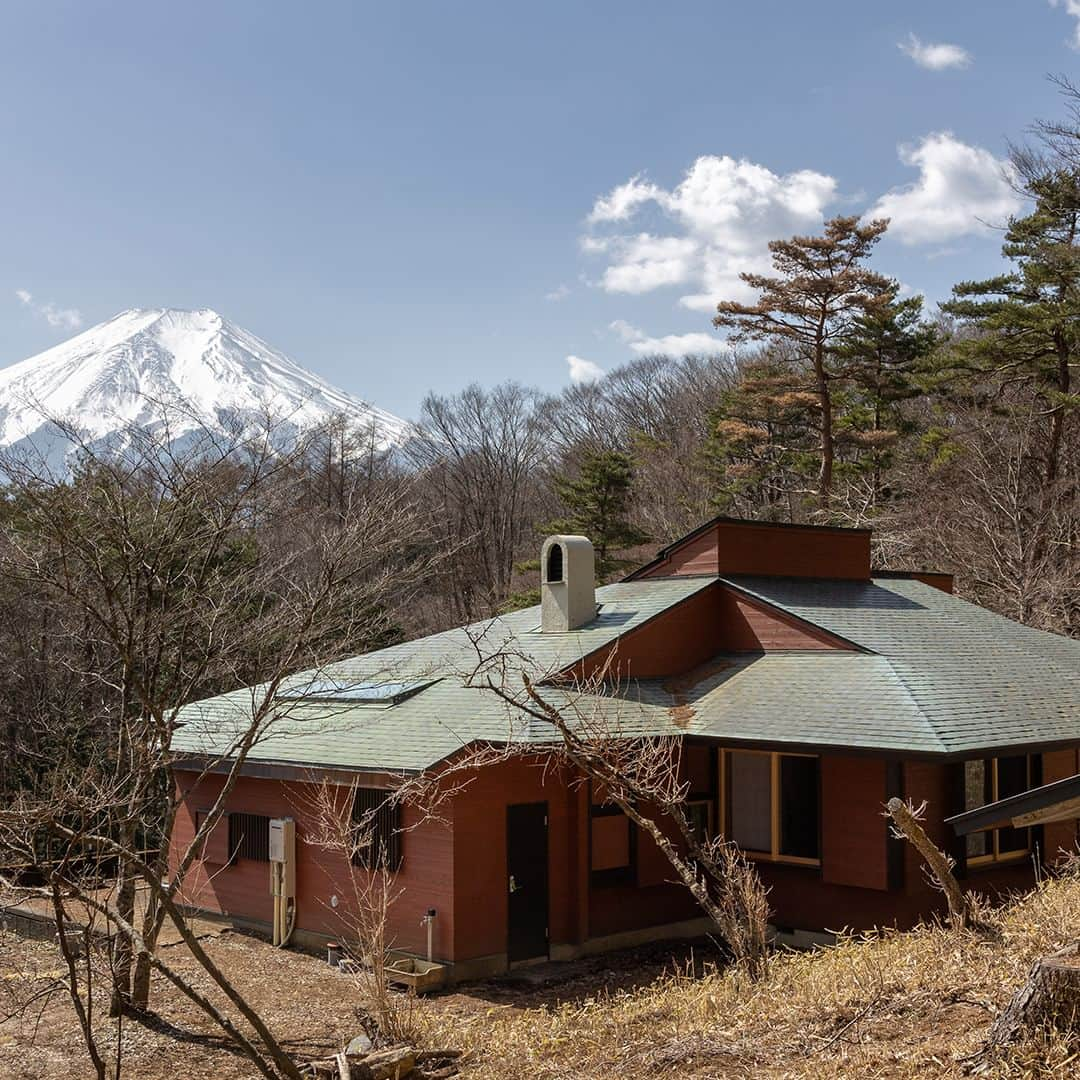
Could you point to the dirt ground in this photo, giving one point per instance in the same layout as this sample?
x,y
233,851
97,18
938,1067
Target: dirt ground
x,y
308,1004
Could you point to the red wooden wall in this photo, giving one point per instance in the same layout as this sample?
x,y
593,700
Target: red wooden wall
x,y
243,888
741,547
458,865
479,870
718,619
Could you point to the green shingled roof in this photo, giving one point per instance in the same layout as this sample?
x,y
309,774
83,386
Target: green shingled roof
x,y
978,680
437,721
933,675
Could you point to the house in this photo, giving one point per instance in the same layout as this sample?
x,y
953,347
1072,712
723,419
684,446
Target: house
x,y
806,690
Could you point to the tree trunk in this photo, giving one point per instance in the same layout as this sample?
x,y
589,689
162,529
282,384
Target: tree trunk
x,y
825,477
153,918
935,859
122,956
1050,995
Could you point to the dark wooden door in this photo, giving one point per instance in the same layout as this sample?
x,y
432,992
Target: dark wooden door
x,y
527,873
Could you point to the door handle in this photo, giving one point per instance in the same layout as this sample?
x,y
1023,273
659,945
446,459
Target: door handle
x,y
513,884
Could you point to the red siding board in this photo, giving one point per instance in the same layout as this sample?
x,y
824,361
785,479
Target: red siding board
x,y
733,547
458,865
243,888
1059,836
716,620
852,827
480,875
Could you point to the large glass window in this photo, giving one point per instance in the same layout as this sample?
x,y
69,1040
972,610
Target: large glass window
x,y
773,804
987,780
750,800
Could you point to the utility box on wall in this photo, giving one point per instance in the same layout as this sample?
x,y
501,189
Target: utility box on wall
x,y
283,851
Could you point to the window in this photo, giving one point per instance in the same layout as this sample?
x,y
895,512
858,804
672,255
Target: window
x,y
987,780
773,805
377,818
698,771
612,843
249,837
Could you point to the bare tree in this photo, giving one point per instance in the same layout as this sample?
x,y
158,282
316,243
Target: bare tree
x,y
371,887
480,453
181,574
596,737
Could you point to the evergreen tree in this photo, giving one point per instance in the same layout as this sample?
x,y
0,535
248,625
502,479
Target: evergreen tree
x,y
1024,326
598,503
820,289
761,449
880,367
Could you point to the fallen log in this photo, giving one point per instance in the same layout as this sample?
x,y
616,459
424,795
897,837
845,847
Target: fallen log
x,y
395,1063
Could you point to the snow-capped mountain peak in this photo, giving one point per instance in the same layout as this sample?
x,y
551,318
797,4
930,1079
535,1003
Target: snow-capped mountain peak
x,y
125,370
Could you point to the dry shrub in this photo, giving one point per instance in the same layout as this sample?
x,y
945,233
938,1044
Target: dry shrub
x,y
904,1005
387,1015
742,907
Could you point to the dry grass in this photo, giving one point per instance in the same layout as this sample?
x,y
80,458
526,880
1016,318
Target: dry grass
x,y
903,1005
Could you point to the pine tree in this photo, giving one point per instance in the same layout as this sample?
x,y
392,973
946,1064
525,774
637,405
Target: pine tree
x,y
1024,326
820,289
598,503
761,448
880,364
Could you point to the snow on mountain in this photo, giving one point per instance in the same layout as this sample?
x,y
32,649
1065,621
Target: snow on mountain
x,y
122,371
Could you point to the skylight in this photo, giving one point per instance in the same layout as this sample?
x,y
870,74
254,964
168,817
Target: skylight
x,y
358,693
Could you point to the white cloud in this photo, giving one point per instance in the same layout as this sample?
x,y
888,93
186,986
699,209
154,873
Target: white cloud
x,y
560,292
669,345
960,189
937,56
68,318
1072,7
624,201
720,218
583,371
646,262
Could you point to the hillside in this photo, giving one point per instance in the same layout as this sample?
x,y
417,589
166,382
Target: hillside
x,y
906,1005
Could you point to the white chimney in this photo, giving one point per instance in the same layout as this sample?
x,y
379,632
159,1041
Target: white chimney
x,y
567,584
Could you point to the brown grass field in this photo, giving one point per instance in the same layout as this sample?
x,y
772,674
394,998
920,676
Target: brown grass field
x,y
901,1005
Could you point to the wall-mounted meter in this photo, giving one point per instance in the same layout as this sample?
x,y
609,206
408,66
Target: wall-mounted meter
x,y
283,876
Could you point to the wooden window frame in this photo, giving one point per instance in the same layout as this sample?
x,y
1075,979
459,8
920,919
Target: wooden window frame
x,y
996,857
775,855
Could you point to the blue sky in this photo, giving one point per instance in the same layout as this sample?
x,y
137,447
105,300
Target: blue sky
x,y
412,196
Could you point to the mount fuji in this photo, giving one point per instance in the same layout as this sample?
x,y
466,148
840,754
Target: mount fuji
x,y
124,371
